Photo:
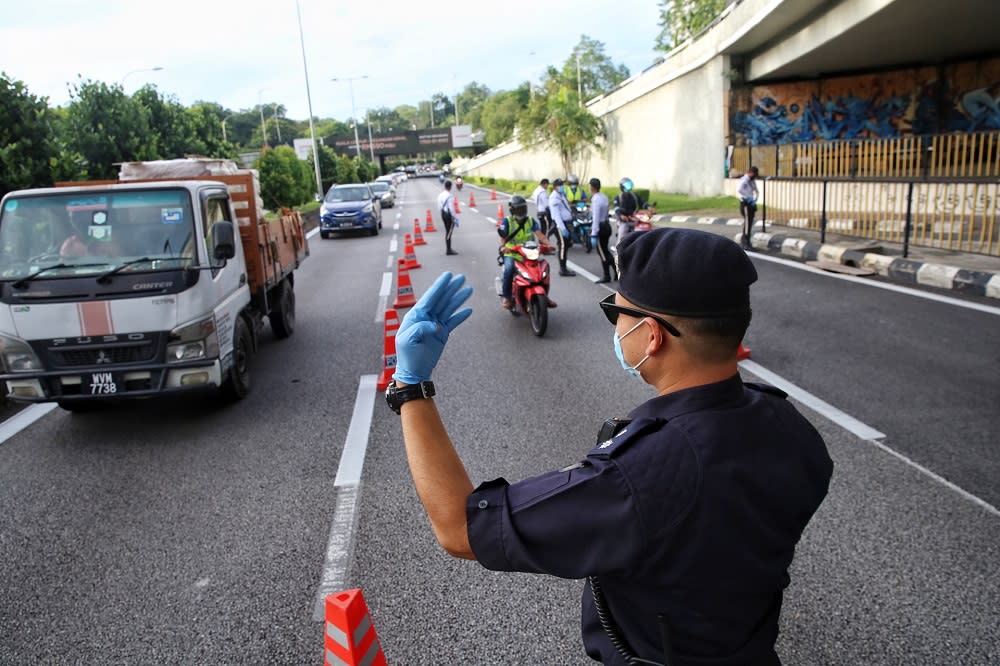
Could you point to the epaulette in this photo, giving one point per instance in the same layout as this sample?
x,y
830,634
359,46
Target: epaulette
x,y
625,436
766,388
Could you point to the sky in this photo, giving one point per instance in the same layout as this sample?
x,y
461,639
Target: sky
x,y
240,52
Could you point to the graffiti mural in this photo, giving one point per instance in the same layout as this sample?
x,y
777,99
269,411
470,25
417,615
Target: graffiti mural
x,y
963,97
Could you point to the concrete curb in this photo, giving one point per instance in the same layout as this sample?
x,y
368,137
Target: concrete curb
x,y
897,269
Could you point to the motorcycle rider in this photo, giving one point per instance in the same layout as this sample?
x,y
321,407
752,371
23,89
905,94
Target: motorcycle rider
x,y
458,183
562,216
574,194
600,230
626,205
516,229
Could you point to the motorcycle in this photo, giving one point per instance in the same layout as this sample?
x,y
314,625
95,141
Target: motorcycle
x,y
530,289
580,231
640,220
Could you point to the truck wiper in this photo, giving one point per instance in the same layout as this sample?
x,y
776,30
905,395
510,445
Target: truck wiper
x,y
23,282
106,277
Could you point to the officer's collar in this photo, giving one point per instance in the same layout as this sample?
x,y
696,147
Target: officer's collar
x,y
689,400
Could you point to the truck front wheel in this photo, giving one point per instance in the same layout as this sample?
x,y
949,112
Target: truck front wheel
x,y
237,383
282,316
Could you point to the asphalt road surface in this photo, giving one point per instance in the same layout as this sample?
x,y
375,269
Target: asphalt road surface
x,y
186,531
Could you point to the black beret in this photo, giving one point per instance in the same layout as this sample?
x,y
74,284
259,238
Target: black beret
x,y
685,272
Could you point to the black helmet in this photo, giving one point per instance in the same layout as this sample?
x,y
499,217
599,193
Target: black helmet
x,y
518,207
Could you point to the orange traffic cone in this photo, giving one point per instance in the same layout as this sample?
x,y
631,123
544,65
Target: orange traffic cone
x,y
499,214
472,200
388,349
429,218
429,227
350,638
493,196
458,206
411,256
742,353
418,238
404,288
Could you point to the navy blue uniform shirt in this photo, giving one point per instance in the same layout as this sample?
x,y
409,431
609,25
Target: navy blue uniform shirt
x,y
692,511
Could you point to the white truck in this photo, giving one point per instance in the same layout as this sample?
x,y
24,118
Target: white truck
x,y
156,283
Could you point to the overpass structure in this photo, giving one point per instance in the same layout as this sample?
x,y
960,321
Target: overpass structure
x,y
829,69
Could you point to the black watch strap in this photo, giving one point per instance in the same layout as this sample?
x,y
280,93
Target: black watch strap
x,y
395,396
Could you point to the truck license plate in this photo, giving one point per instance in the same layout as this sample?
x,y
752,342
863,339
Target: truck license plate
x,y
103,383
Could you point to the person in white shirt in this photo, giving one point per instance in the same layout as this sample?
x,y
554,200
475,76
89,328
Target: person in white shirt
x,y
541,198
561,216
747,192
449,214
600,230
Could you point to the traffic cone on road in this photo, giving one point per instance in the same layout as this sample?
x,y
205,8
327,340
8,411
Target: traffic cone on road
x,y
742,353
429,218
405,297
493,196
458,206
350,638
429,227
418,238
388,349
472,200
499,214
408,252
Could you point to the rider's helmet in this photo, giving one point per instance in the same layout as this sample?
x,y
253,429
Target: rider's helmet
x,y
458,182
573,180
519,208
626,184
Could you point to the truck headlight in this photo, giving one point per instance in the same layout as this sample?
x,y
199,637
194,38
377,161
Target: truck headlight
x,y
17,355
193,341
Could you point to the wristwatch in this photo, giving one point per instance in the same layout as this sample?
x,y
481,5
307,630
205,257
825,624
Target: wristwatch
x,y
396,396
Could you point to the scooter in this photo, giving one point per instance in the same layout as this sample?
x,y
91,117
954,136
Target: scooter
x,y
530,289
581,225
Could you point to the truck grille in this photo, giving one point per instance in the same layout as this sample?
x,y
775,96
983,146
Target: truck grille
x,y
103,356
109,350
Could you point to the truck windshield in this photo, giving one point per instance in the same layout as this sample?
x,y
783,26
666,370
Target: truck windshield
x,y
84,233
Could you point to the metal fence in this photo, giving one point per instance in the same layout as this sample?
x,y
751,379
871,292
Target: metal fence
x,y
952,215
965,155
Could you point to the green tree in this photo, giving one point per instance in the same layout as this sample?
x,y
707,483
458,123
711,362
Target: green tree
x,y
285,180
500,114
470,104
598,74
106,126
172,136
558,121
328,166
26,138
681,19
205,120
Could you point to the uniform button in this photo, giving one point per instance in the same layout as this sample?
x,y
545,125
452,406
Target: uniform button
x,y
483,504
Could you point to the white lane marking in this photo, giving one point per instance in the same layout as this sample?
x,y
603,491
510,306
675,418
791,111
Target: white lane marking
x,y
988,309
383,295
474,210
393,244
395,227
842,419
399,214
858,428
491,221
388,262
582,271
347,491
312,233
24,418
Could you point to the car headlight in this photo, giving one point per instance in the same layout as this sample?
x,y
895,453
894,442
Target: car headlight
x,y
368,208
193,341
17,355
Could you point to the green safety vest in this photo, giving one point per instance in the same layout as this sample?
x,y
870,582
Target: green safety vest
x,y
574,197
519,237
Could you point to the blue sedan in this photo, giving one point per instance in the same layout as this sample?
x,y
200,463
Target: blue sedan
x,y
350,208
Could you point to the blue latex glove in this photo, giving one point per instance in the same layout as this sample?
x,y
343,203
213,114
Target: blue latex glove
x,y
593,242
426,327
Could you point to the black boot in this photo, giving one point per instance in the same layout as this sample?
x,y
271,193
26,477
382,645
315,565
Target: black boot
x,y
449,250
565,272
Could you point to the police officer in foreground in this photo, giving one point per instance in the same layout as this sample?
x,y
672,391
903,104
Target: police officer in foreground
x,y
684,517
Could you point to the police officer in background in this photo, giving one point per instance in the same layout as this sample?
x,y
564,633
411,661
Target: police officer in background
x,y
684,517
600,230
447,206
574,191
541,198
561,217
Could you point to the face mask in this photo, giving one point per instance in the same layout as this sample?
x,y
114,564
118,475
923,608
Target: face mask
x,y
632,370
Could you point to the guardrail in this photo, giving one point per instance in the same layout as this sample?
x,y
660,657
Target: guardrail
x,y
960,215
963,155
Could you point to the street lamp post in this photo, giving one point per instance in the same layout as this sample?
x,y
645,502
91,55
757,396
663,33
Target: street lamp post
x,y
350,84
277,125
263,127
579,85
136,71
224,139
312,129
371,146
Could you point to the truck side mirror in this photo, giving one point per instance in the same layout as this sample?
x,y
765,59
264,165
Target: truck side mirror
x,y
223,240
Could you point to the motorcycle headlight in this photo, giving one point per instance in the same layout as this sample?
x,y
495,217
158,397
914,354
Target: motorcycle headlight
x,y
193,341
17,355
524,274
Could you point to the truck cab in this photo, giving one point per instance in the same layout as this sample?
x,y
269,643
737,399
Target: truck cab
x,y
121,290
